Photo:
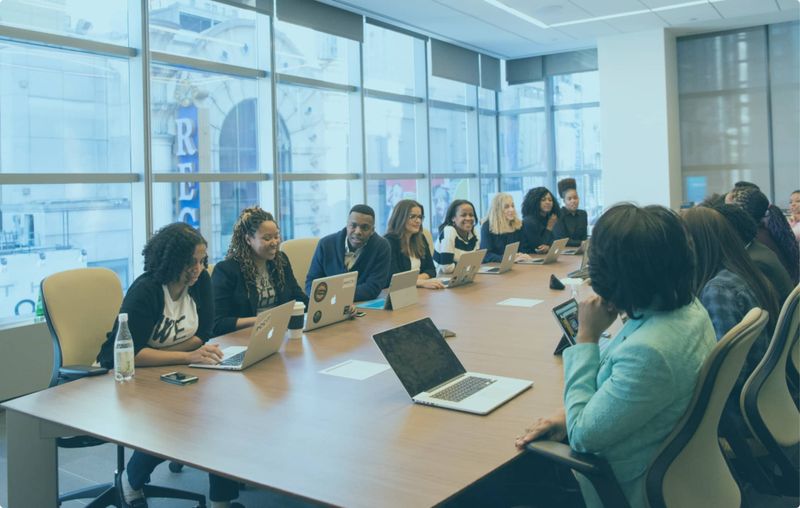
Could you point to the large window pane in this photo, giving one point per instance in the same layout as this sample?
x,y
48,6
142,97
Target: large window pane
x,y
62,111
454,92
317,208
393,136
318,130
576,88
393,62
577,139
517,186
382,195
489,187
444,191
523,142
529,95
208,31
300,51
211,207
207,123
46,229
449,137
487,124
105,21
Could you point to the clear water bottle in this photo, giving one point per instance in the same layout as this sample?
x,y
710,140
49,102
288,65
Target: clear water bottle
x,y
123,351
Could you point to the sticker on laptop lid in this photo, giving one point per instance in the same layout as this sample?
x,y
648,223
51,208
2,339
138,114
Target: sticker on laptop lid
x,y
349,282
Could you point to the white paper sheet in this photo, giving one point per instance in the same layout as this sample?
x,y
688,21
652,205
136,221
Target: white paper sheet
x,y
567,281
355,369
520,302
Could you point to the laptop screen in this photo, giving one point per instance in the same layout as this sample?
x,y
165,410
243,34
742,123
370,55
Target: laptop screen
x,y
419,355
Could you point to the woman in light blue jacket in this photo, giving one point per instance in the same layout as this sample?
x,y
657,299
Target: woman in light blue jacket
x,y
623,403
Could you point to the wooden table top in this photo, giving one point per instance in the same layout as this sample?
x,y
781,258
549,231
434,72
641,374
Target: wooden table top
x,y
282,425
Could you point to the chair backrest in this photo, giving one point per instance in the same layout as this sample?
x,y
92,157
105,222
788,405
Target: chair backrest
x,y
690,470
429,238
80,308
300,252
210,269
766,402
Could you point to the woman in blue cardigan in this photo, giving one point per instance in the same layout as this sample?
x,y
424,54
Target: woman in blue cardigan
x,y
622,404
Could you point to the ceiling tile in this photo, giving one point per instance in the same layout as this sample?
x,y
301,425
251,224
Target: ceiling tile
x,y
549,11
737,8
789,5
666,3
692,14
637,23
588,31
609,7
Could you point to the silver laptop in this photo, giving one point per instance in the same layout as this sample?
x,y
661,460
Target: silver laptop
x,y
402,290
330,300
552,254
583,271
266,337
580,250
432,374
509,254
467,267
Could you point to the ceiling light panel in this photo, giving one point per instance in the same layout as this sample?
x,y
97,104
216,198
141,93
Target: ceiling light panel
x,y
606,7
688,14
549,11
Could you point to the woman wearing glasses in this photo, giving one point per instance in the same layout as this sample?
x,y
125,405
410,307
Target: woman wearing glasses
x,y
410,249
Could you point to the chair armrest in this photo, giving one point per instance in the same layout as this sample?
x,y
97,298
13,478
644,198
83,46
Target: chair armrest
x,y
594,468
72,372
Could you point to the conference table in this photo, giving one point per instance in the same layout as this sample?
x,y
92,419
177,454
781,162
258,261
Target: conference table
x,y
283,425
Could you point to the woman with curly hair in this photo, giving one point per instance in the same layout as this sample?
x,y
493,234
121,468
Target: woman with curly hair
x,y
170,316
410,249
773,228
539,216
255,275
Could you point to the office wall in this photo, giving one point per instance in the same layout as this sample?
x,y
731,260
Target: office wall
x,y
639,118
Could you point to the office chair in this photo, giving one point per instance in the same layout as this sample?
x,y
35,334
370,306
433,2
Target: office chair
x,y
768,407
80,307
300,252
429,238
690,470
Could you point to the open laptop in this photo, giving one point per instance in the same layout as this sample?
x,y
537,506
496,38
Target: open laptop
x,y
467,267
330,300
402,290
266,337
580,250
509,254
552,254
583,271
432,374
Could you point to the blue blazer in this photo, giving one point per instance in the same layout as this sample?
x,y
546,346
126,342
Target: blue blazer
x,y
372,264
623,404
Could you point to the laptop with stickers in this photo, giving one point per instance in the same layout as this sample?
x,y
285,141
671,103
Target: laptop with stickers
x,y
330,300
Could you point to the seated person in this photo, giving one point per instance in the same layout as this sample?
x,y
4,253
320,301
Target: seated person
x,y
539,216
170,316
457,235
624,403
729,284
254,276
572,222
410,250
501,227
773,228
764,259
354,248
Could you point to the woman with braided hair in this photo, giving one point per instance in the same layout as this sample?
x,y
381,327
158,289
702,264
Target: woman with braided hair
x,y
255,275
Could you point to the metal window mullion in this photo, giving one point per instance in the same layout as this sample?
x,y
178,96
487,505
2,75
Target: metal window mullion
x,y
428,127
478,127
66,42
210,177
363,125
396,176
206,65
577,105
67,178
770,154
451,106
288,79
522,111
276,171
550,132
454,175
394,97
146,119
311,177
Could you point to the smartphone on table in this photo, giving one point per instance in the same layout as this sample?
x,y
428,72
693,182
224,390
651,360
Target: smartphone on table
x,y
178,378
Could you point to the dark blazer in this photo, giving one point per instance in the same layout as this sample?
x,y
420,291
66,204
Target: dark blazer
x,y
144,304
770,265
372,264
573,226
234,299
495,245
402,263
534,233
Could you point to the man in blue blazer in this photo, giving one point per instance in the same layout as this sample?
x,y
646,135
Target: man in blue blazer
x,y
355,248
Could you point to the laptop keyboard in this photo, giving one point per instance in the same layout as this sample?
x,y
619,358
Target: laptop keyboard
x,y
463,389
236,359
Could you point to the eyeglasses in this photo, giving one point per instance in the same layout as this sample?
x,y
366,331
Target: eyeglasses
x,y
414,216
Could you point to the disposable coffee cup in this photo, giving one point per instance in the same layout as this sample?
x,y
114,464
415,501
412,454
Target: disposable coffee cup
x,y
297,321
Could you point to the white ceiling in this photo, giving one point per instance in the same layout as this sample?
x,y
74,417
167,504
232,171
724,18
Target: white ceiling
x,y
519,28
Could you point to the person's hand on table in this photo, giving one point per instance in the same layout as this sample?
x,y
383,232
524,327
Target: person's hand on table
x,y
553,428
207,353
430,284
